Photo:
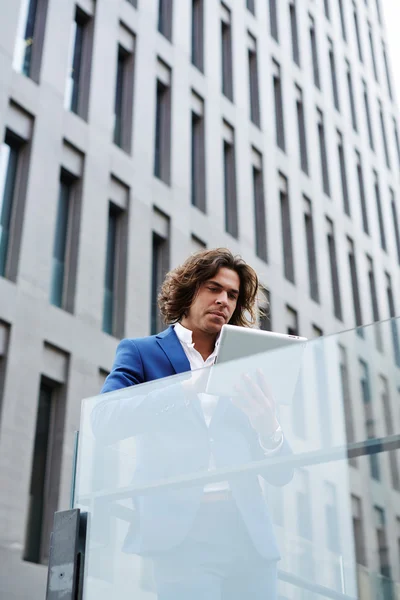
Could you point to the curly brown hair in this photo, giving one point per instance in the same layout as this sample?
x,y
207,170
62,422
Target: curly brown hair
x,y
182,284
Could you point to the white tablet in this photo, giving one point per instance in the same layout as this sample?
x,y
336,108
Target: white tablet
x,y
243,350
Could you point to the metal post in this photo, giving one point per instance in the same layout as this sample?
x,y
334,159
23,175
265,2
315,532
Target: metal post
x,y
67,554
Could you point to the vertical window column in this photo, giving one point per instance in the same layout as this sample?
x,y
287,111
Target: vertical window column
x,y
361,190
162,141
4,341
337,303
165,8
30,38
311,254
380,212
395,218
292,321
80,59
273,20
160,264
260,222
390,430
357,32
351,97
66,239
369,420
387,70
368,117
314,53
231,211
354,282
347,401
279,116
384,136
116,260
374,303
343,174
253,80
393,315
396,139
323,154
47,454
14,170
123,104
358,531
264,304
382,543
342,19
294,32
198,163
301,131
372,51
332,63
226,52
286,229
198,34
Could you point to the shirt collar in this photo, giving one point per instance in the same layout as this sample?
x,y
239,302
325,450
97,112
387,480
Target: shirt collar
x,y
186,336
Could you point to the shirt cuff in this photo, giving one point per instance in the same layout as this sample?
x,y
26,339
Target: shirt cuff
x,y
269,451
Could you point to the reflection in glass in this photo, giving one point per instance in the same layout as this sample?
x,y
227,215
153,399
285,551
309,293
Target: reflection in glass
x,y
25,37
8,173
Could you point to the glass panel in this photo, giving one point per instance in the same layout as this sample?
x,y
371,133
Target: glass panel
x,y
189,498
8,174
60,244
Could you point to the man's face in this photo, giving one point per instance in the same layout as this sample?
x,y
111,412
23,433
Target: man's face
x,y
215,302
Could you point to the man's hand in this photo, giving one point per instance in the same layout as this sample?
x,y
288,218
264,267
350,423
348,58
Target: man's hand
x,y
255,399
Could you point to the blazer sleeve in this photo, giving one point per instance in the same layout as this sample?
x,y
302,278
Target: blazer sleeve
x,y
116,417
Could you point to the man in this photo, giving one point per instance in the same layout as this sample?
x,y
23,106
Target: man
x,y
215,541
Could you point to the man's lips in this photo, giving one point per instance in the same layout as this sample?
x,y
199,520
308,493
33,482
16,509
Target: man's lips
x,y
218,314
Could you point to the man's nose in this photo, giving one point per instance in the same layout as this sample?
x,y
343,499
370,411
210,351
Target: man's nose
x,y
222,298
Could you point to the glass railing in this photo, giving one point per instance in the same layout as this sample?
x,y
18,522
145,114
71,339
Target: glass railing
x,y
187,496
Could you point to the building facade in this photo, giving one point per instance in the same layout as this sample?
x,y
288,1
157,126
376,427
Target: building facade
x,y
137,131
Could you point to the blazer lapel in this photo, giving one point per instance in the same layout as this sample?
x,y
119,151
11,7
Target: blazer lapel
x,y
170,344
168,340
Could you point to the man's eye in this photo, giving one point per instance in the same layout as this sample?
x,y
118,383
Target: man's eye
x,y
213,289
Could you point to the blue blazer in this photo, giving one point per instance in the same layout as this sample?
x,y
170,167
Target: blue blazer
x,y
172,439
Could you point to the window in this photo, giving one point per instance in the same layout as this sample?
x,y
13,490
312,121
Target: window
x,y
165,18
162,150
369,417
295,33
226,52
160,264
46,463
395,223
231,213
279,118
351,97
133,2
4,341
9,158
332,64
342,19
259,206
323,155
384,137
253,80
392,314
379,211
358,531
314,53
251,6
327,9
387,70
286,228
368,117
361,190
378,11
65,249
292,324
264,304
331,518
198,34
196,244
311,254
374,303
273,20
396,139
382,542
372,50
343,174
123,105
347,402
116,261
303,502
301,130
354,282
390,430
198,164
30,37
80,55
337,304
357,32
